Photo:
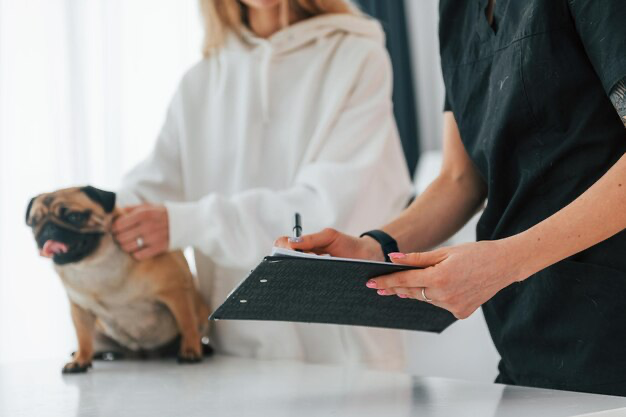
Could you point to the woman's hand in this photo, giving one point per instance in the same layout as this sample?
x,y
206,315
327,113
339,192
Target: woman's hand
x,y
459,278
332,242
143,230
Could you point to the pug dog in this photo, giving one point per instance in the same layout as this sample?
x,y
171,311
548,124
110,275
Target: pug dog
x,y
141,306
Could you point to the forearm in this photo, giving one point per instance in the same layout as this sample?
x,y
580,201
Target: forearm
x,y
447,204
592,218
239,229
437,214
236,230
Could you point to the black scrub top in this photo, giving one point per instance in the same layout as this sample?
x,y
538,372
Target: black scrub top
x,y
530,96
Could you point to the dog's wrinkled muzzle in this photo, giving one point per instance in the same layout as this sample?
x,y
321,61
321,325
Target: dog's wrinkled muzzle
x,y
65,245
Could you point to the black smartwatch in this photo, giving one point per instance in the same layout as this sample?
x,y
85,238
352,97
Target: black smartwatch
x,y
386,242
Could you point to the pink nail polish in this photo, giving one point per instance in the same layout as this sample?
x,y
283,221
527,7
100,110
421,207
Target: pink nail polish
x,y
403,296
370,284
397,255
382,292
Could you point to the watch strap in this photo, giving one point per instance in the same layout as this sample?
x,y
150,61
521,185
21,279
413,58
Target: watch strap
x,y
386,242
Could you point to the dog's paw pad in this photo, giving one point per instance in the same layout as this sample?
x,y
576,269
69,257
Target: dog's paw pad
x,y
76,368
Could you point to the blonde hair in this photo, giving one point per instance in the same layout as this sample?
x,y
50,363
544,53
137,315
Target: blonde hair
x,y
220,16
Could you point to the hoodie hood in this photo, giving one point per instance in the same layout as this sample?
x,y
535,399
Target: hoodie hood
x,y
303,34
310,30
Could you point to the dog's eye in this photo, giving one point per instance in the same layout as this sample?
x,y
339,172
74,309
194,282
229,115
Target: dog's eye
x,y
76,218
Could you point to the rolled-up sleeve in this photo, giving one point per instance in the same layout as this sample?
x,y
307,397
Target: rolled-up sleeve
x,y
601,25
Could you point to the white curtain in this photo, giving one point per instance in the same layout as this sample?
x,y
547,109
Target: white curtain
x,y
84,85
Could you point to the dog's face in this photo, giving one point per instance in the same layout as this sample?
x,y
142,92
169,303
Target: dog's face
x,y
69,224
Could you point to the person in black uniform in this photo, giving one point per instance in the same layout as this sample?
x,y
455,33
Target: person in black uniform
x,y
534,134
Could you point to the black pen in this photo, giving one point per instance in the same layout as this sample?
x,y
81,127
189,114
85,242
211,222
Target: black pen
x,y
297,229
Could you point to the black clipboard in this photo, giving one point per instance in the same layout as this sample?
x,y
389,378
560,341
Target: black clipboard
x,y
315,289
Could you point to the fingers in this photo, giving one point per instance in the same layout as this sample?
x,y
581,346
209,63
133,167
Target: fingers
x,y
420,259
155,239
412,294
404,279
282,242
415,294
394,291
408,283
148,222
134,215
127,221
421,293
129,209
317,243
286,242
129,237
149,251
148,233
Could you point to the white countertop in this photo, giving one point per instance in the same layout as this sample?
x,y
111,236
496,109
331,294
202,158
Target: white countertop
x,y
225,387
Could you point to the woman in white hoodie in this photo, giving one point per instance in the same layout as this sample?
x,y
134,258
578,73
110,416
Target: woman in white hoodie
x,y
289,111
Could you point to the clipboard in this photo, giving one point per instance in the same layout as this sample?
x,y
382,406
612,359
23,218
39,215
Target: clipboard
x,y
296,287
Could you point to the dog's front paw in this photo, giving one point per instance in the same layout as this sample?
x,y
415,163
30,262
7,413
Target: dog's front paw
x,y
76,367
190,355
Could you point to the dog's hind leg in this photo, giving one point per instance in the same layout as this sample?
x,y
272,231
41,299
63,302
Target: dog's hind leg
x,y
84,324
181,304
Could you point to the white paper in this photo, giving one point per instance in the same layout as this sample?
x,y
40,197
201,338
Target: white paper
x,y
295,254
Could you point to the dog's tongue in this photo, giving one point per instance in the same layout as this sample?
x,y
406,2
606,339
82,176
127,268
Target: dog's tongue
x,y
52,247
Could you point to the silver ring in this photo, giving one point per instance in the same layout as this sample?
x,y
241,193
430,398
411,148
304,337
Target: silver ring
x,y
139,241
424,295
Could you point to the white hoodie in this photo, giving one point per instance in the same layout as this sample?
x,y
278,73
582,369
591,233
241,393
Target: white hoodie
x,y
300,122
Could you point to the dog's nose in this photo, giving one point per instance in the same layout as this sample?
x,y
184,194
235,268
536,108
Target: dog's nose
x,y
49,231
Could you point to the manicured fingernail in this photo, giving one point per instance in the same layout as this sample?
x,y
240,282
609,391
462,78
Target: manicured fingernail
x,y
403,296
370,284
397,255
295,239
382,292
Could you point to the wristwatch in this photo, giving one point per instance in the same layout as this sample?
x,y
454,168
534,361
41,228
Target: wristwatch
x,y
386,242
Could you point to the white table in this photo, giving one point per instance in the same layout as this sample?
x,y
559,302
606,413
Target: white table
x,y
224,387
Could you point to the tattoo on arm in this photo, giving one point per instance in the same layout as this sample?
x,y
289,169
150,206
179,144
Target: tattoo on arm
x,y
618,97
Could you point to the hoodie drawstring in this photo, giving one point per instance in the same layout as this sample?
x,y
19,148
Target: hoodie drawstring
x,y
264,74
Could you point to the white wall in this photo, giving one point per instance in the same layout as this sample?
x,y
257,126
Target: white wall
x,y
464,350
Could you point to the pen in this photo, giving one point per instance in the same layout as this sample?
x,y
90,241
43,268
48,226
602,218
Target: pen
x,y
297,228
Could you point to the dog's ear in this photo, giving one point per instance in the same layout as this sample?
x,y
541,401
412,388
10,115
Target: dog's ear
x,y
30,206
105,198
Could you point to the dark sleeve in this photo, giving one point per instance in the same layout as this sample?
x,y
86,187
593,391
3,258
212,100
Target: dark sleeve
x,y
446,104
601,25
